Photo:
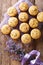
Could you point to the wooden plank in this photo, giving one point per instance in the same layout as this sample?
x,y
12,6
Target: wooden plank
x,y
0,59
0,51
4,5
13,1
5,56
39,47
39,3
0,10
13,62
33,1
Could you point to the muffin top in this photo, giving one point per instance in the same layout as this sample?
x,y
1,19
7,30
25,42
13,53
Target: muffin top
x,y
40,17
23,6
33,22
5,29
23,17
33,10
24,27
35,33
15,34
13,21
26,38
12,11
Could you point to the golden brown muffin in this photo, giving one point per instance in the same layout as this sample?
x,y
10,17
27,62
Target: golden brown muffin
x,y
12,11
40,17
23,6
33,23
33,10
23,16
15,34
26,38
5,29
24,27
35,33
13,21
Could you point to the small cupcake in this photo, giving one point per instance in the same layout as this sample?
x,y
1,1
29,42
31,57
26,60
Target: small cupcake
x,y
40,17
26,38
23,17
5,29
13,21
12,11
35,33
24,27
15,34
33,23
33,10
23,6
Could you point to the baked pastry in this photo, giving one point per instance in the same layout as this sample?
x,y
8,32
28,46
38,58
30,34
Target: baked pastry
x,y
23,6
33,10
23,16
5,29
35,33
13,21
40,17
24,27
26,38
33,22
12,11
15,34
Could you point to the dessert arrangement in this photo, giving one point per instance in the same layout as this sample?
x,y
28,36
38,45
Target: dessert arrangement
x,y
22,28
25,23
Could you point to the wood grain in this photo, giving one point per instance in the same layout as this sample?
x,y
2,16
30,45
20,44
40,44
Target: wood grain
x,y
33,1
39,3
4,5
39,47
0,10
4,56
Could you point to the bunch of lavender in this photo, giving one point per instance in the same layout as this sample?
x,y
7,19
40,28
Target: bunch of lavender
x,y
15,49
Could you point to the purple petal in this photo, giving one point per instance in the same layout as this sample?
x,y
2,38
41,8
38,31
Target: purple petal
x,y
28,56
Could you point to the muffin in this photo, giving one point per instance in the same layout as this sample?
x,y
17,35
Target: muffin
x,y
33,23
24,27
23,6
12,11
40,17
33,10
13,21
35,33
23,17
5,29
15,34
26,38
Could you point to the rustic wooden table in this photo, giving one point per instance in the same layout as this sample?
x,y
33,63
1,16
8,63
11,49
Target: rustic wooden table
x,y
4,56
